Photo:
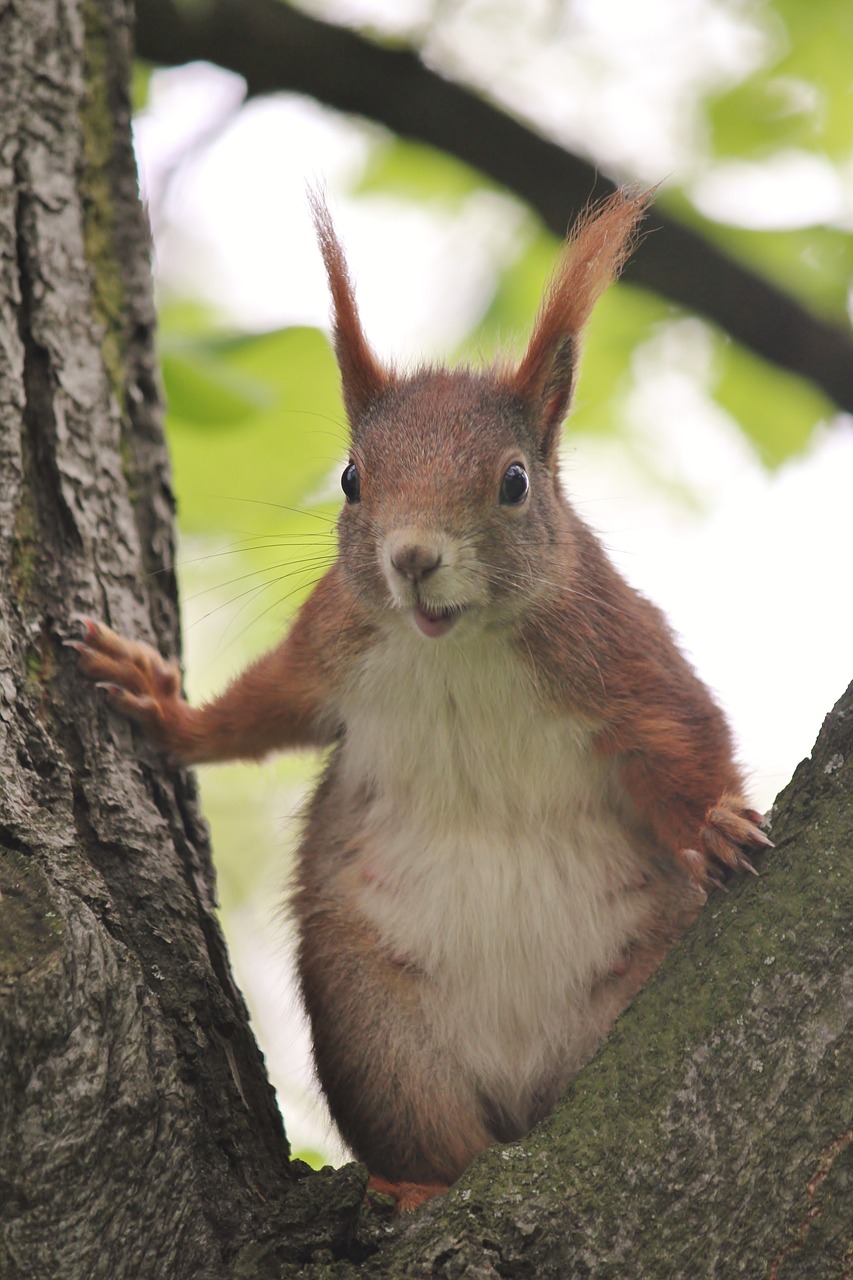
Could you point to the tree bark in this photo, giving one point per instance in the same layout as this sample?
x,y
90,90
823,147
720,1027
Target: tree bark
x,y
275,47
139,1137
138,1133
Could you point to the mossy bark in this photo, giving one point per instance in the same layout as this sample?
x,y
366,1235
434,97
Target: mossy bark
x,y
138,1135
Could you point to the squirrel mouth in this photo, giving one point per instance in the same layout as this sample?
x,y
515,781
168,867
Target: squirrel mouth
x,y
434,622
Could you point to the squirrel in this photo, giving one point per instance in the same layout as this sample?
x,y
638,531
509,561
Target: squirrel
x,y
528,791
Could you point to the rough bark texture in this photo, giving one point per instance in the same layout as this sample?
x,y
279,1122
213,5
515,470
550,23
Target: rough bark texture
x,y
138,1135
275,47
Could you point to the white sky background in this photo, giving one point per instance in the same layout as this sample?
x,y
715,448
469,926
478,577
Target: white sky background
x,y
756,578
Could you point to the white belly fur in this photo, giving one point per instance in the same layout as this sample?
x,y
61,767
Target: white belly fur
x,y
498,853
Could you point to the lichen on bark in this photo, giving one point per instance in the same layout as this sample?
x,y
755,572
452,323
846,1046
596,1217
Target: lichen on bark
x,y
98,112
132,1092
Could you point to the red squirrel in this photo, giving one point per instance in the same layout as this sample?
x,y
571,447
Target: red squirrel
x,y
527,790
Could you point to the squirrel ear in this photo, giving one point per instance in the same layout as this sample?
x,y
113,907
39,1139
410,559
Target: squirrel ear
x,y
363,378
593,255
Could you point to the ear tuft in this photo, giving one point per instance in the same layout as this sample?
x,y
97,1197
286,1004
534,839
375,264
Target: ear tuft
x,y
594,254
363,379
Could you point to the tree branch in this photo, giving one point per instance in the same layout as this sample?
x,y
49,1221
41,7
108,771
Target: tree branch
x,y
276,48
712,1135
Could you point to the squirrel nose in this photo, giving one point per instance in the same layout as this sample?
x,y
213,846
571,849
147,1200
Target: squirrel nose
x,y
415,562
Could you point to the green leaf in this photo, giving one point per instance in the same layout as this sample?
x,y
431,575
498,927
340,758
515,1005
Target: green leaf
x,y
315,1159
820,52
418,172
140,84
201,388
801,98
777,411
256,424
623,318
760,117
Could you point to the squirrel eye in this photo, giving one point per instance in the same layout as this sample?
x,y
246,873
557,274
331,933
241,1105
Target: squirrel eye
x,y
514,486
350,484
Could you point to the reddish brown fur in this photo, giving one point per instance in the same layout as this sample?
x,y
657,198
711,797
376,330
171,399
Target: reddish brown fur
x,y
593,256
625,668
362,377
431,450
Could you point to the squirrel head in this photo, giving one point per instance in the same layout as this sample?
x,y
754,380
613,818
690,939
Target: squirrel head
x,y
452,489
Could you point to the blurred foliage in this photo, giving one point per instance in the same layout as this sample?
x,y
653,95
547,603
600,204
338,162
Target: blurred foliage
x,y
813,263
255,427
139,86
799,100
414,171
777,411
801,96
258,416
249,416
316,1159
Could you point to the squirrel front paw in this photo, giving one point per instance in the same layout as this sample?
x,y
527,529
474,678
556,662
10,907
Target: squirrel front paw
x,y
136,679
730,832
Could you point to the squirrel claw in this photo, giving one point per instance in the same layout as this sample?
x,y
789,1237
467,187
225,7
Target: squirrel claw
x,y
406,1195
138,682
133,705
114,690
729,831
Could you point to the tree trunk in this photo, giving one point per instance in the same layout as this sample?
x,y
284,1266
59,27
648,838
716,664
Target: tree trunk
x,y
138,1134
